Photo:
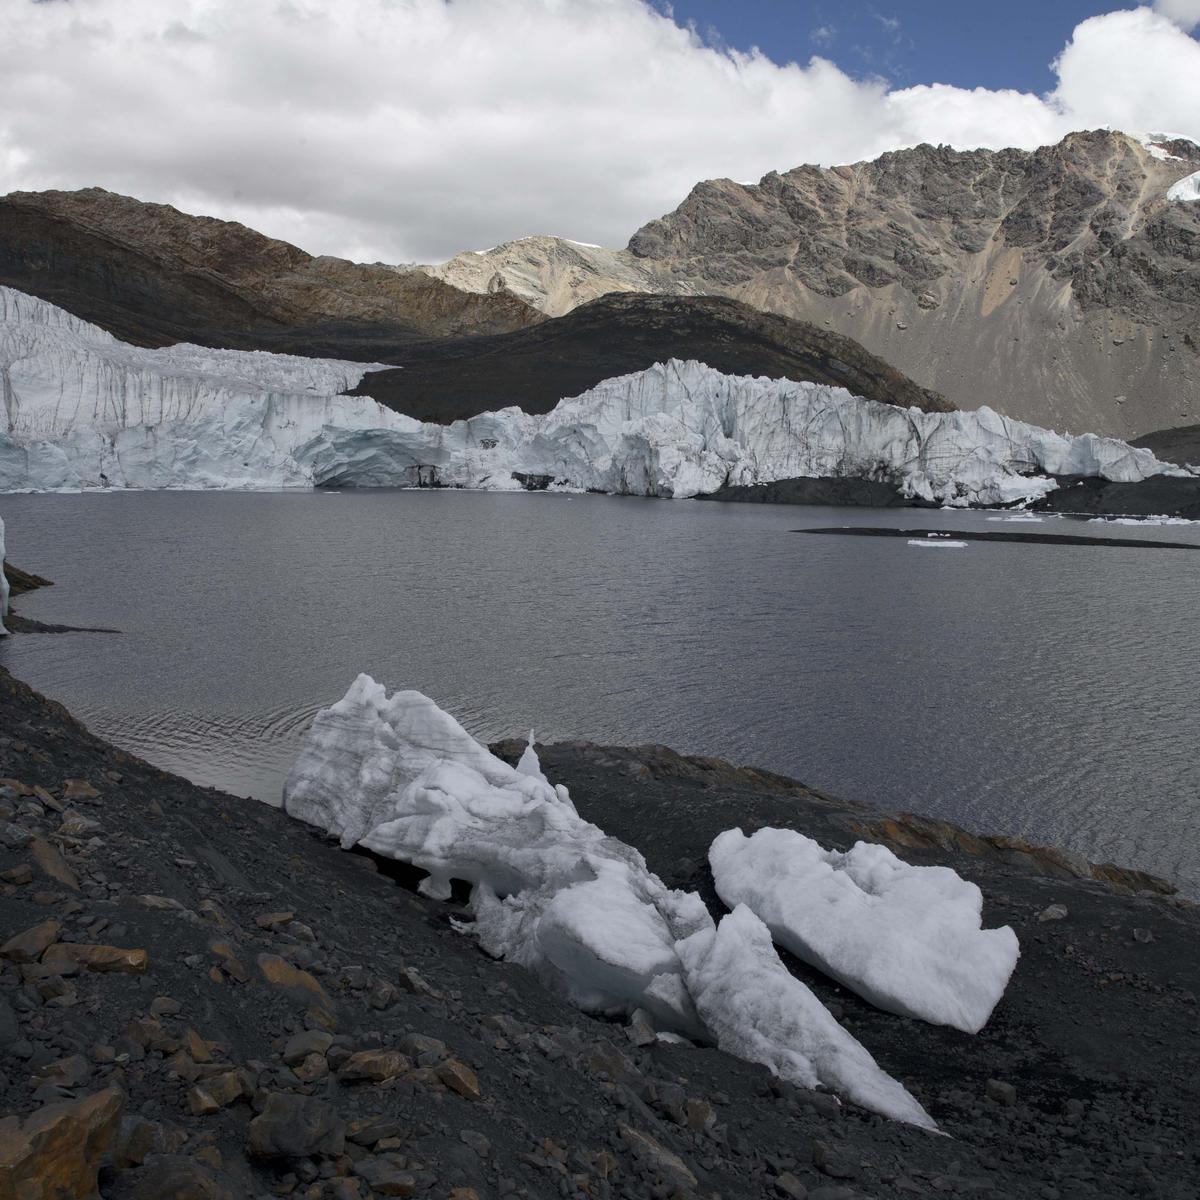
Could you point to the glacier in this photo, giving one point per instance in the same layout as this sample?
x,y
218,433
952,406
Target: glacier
x,y
1186,190
85,410
553,892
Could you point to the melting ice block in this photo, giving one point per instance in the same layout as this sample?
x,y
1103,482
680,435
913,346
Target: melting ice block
x,y
757,1010
554,893
908,939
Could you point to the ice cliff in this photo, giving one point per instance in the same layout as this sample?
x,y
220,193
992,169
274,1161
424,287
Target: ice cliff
x,y
83,410
554,893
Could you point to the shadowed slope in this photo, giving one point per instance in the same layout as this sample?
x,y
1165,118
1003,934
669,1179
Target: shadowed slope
x,y
621,333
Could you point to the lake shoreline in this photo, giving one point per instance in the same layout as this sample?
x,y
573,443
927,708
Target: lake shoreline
x,y
1087,1053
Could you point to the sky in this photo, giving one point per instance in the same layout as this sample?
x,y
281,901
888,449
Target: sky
x,y
966,44
409,130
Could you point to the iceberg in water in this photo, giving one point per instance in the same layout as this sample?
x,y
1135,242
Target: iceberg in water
x,y
84,410
908,939
553,892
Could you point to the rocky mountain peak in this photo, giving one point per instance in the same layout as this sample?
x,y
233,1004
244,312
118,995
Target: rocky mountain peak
x,y
1058,285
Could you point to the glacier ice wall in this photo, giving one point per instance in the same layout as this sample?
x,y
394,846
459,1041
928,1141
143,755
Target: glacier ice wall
x,y
83,409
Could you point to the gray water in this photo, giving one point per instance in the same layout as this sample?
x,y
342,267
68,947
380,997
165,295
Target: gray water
x,y
1044,691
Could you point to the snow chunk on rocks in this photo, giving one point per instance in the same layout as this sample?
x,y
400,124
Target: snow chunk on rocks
x,y
759,1011
554,893
908,939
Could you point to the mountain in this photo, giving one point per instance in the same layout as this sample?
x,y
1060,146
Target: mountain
x,y
1059,285
452,378
152,275
552,274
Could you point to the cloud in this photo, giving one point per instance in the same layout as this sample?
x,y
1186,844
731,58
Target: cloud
x,y
402,129
823,35
1185,13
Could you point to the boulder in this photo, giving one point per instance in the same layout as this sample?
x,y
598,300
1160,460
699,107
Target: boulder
x,y
56,1153
375,1065
295,1127
65,958
176,1177
29,945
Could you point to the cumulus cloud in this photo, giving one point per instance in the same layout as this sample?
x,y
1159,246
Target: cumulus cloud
x,y
402,129
1185,13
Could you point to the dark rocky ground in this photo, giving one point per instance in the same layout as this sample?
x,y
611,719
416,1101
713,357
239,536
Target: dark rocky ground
x,y
450,378
1161,496
255,970
1181,445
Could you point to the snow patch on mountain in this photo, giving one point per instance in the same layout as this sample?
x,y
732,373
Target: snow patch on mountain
x,y
1186,191
557,895
85,410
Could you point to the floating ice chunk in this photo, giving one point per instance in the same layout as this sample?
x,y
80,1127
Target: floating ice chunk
x,y
3,583
908,939
945,543
1018,517
757,1010
1186,191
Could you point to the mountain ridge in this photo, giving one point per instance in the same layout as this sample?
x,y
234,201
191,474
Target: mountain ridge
x,y
153,275
1059,285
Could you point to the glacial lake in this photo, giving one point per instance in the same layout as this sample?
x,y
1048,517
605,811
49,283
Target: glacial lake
x,y
1047,691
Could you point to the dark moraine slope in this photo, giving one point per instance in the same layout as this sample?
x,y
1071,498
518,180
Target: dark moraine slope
x,y
450,378
1181,445
1160,495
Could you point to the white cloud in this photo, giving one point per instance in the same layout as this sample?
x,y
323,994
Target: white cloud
x,y
1185,13
400,129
